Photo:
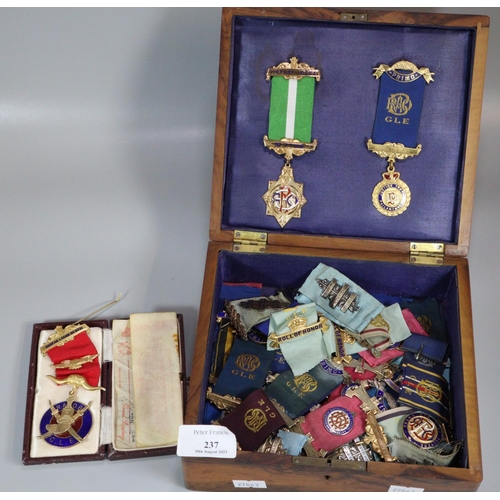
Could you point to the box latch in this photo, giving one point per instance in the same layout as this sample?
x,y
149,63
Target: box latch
x,y
431,254
249,241
354,17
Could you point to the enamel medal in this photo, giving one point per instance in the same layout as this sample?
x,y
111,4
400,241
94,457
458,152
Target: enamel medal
x,y
76,363
338,421
391,196
422,430
289,134
67,423
284,197
395,131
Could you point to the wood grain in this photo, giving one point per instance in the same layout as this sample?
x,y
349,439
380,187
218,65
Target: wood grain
x,y
480,23
279,472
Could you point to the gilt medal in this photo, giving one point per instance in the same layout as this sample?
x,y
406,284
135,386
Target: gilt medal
x,y
289,134
395,131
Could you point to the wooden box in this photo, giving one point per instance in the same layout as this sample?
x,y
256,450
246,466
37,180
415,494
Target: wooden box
x,y
339,225
99,425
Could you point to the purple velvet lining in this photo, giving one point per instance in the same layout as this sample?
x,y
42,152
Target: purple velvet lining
x,y
401,281
340,175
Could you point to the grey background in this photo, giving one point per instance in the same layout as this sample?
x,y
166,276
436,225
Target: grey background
x,y
107,120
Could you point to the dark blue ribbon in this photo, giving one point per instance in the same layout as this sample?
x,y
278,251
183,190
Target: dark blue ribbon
x,y
398,110
425,390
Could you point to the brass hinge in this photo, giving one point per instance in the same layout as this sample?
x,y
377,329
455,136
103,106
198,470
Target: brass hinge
x,y
249,241
354,17
431,254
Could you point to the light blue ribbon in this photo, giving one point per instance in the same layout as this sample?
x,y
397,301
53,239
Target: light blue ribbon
x,y
303,352
292,442
361,311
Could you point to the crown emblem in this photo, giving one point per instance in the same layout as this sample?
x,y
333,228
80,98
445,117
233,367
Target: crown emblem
x,y
297,323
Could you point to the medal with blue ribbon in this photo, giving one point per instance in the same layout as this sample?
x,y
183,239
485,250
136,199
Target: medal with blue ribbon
x,y
396,129
289,133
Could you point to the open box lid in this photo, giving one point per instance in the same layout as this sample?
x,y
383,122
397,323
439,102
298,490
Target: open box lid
x,y
340,175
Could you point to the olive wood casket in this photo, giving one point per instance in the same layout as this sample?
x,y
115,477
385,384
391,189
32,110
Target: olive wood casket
x,y
419,254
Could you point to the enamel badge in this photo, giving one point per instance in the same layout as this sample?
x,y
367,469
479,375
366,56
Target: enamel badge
x,y
284,197
422,430
66,423
391,196
338,421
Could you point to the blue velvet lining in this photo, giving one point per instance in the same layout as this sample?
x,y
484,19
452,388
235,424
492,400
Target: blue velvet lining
x,y
340,175
387,279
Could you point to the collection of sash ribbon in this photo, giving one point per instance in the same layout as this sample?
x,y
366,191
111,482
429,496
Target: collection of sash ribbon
x,y
330,371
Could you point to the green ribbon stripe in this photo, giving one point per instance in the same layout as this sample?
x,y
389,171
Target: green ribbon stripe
x,y
303,110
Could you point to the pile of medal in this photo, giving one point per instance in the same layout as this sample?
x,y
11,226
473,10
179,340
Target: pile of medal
x,y
330,371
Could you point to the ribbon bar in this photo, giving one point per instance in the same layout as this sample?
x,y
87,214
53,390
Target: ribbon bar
x,y
277,339
293,69
61,336
292,72
296,147
392,72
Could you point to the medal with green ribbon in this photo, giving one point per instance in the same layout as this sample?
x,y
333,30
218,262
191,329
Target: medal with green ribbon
x,y
395,131
289,133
